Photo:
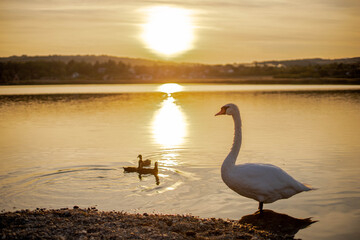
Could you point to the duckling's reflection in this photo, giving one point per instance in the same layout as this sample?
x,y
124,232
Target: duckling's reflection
x,y
157,179
153,171
277,223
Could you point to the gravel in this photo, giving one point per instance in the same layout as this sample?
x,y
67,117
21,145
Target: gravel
x,y
90,223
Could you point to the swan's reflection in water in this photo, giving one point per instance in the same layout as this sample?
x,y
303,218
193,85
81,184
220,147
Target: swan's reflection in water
x,y
277,223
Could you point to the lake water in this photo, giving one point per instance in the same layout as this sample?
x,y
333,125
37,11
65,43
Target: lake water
x,y
62,146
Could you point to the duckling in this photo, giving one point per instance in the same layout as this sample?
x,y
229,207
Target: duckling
x,y
153,171
133,169
145,163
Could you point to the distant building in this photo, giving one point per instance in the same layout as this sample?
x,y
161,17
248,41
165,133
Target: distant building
x,y
75,75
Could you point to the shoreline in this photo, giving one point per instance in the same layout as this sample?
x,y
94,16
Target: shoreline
x,y
243,80
90,223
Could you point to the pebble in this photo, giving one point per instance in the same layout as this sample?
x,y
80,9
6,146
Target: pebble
x,y
90,223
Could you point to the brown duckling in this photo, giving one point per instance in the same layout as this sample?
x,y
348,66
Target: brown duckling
x,y
145,163
133,169
153,171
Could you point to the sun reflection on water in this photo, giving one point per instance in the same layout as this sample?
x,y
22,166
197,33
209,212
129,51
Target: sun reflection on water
x,y
169,159
170,88
169,124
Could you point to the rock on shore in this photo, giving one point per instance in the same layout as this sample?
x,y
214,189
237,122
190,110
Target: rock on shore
x,y
91,223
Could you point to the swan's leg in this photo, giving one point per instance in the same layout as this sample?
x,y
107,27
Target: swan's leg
x,y
261,207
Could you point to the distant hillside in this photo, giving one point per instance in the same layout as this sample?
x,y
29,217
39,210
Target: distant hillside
x,y
107,69
146,62
310,61
82,58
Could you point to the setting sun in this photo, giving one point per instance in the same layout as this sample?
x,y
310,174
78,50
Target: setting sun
x,y
168,30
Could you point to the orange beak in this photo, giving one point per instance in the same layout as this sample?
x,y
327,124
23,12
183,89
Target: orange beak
x,y
222,112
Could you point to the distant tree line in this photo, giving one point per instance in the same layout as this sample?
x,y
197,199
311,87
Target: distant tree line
x,y
59,70
21,72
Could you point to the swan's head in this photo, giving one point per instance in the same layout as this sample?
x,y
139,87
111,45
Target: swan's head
x,y
228,109
140,156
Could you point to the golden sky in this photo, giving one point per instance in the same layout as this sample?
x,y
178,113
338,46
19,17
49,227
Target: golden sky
x,y
224,31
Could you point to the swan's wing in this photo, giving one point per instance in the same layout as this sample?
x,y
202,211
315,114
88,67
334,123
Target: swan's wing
x,y
265,181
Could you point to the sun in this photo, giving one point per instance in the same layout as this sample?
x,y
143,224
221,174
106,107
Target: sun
x,y
168,30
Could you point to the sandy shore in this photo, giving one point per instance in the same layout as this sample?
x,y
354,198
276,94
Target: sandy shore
x,y
91,223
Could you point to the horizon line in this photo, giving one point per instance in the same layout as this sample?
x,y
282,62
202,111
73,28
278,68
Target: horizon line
x,y
174,61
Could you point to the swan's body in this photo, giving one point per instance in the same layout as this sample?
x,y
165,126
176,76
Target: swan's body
x,y
264,183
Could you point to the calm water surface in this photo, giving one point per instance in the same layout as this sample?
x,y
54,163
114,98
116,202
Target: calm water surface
x,y
66,145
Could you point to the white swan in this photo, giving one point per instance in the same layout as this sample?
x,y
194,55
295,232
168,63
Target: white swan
x,y
264,183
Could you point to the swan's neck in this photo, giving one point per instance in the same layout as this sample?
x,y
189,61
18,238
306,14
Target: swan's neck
x,y
231,158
